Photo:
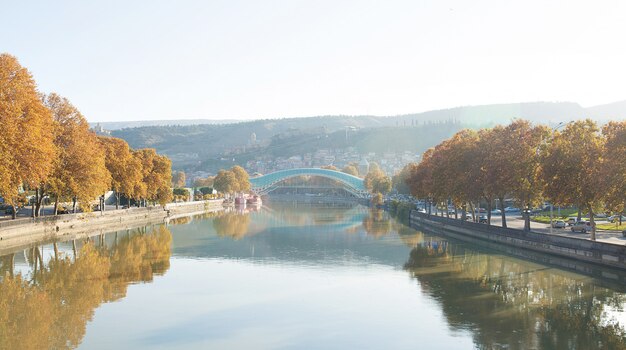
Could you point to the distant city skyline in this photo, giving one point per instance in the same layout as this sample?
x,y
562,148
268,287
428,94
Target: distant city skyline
x,y
244,60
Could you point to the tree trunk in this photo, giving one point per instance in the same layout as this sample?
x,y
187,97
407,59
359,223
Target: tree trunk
x,y
464,211
456,213
117,200
37,203
527,218
74,249
56,206
502,212
12,263
593,224
74,205
56,251
473,210
580,214
477,210
489,211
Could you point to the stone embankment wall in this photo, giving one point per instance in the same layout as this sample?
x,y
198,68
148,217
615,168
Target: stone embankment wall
x,y
20,232
605,254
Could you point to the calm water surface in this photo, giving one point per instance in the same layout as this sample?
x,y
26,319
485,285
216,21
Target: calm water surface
x,y
300,277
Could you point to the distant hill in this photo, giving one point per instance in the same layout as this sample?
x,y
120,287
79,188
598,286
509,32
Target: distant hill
x,y
142,123
484,114
199,144
539,112
610,111
216,138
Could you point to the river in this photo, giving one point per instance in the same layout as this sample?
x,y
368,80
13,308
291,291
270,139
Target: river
x,y
297,277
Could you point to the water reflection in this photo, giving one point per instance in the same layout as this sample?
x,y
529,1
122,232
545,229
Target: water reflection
x,y
232,224
511,303
377,223
320,276
48,306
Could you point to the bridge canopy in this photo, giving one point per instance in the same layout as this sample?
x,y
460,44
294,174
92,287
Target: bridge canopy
x,y
266,183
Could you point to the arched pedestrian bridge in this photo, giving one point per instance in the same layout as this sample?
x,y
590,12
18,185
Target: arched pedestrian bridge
x,y
267,183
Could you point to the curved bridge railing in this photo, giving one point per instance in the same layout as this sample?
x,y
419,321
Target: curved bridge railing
x,y
266,183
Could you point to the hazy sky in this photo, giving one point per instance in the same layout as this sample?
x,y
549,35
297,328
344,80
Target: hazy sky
x,y
137,60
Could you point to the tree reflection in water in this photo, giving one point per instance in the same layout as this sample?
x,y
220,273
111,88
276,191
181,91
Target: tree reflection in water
x,y
377,223
232,224
510,303
50,309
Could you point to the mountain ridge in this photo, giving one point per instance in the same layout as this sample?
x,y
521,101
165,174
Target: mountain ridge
x,y
481,114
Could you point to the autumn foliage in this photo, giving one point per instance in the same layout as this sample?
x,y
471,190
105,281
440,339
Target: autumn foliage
x,y
46,147
580,165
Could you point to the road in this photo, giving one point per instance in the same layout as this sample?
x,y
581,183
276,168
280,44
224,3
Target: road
x,y
516,221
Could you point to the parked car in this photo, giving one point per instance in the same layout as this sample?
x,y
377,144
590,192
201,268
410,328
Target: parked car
x,y
468,217
420,210
510,209
581,226
558,224
62,210
482,219
9,210
615,218
496,211
571,221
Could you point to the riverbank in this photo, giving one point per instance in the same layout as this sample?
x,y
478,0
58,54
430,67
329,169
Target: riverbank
x,y
22,232
602,253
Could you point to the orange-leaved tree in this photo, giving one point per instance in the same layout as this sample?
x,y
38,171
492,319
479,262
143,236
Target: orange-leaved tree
x,y
79,173
124,168
614,166
572,168
26,126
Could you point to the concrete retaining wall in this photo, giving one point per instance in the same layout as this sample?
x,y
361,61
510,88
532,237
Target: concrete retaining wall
x,y
606,254
23,231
